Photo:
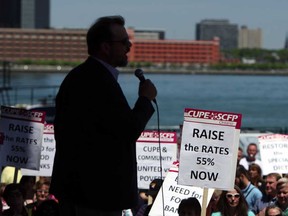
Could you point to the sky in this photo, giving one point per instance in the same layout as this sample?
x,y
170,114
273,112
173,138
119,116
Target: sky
x,y
178,18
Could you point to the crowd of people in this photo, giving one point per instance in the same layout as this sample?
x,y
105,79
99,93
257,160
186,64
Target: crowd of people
x,y
253,195
28,197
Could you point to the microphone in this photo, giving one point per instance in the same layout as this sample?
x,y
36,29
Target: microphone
x,y
140,75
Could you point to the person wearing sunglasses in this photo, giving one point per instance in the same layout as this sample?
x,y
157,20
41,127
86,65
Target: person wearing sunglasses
x,y
96,129
232,203
41,194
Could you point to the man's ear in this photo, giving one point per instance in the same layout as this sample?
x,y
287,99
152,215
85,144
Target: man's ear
x,y
105,47
242,176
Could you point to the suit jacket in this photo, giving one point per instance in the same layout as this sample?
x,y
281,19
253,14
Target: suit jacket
x,y
95,132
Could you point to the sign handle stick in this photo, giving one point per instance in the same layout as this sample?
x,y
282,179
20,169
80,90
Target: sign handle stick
x,y
15,175
204,202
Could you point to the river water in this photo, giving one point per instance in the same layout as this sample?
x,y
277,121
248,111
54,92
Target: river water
x,y
262,100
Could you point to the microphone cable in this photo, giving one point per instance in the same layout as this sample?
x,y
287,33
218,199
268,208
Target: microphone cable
x,y
140,75
160,155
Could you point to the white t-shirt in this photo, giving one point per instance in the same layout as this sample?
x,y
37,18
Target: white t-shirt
x,y
243,161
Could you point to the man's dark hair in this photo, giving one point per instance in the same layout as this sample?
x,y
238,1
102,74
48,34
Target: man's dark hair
x,y
191,203
241,170
100,32
48,208
11,190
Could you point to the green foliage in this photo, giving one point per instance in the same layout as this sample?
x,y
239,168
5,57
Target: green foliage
x,y
264,59
139,64
47,62
232,59
260,55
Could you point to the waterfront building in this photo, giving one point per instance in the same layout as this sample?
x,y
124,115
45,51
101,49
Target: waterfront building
x,y
250,38
70,45
227,33
42,44
149,34
25,14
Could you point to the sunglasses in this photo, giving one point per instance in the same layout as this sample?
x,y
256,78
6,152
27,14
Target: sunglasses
x,y
230,195
124,41
43,191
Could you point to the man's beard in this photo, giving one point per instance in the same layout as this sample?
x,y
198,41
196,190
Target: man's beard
x,y
251,158
123,63
241,184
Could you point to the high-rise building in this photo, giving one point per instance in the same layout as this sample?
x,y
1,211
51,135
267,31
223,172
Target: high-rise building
x,y
227,33
33,14
286,42
10,13
250,38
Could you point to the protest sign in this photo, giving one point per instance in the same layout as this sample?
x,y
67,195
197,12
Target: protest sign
x,y
48,150
22,132
273,151
171,194
155,155
209,148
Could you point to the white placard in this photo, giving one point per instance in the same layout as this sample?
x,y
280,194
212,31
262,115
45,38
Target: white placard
x,y
173,193
209,148
48,151
273,151
153,159
21,136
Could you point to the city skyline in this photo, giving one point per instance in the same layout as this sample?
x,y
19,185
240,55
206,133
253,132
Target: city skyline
x,y
178,18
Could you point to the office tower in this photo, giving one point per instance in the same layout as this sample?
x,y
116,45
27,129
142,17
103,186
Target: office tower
x,y
33,14
10,13
286,42
250,38
227,33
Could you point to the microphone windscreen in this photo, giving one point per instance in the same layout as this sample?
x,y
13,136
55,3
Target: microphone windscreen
x,y
140,74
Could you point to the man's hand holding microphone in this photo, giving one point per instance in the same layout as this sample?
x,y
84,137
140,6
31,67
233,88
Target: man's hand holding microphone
x,y
146,87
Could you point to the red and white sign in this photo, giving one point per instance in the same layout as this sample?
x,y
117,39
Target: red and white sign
x,y
274,150
22,134
155,155
209,148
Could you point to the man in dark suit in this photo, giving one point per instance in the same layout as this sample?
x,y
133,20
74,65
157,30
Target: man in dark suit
x,y
96,130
